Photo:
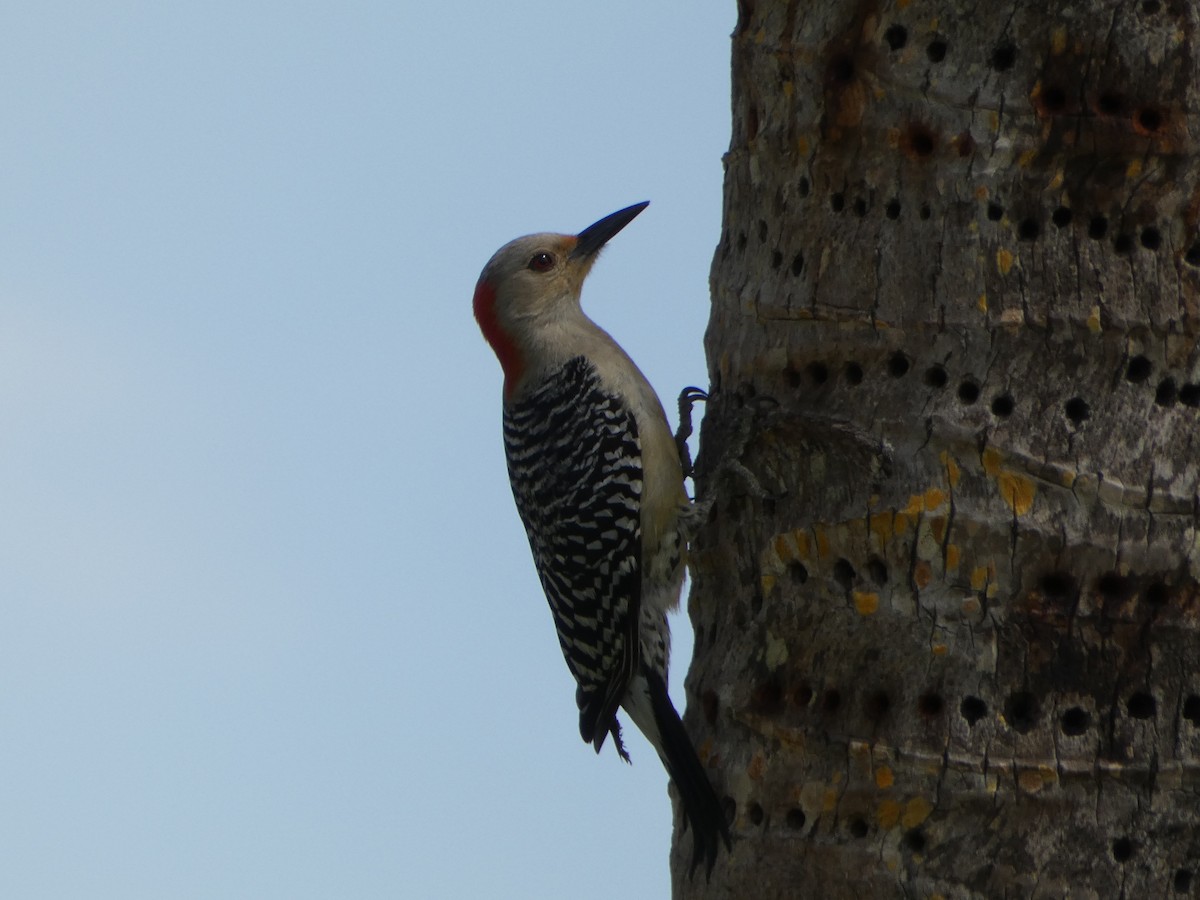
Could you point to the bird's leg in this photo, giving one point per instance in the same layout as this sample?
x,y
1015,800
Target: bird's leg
x,y
687,399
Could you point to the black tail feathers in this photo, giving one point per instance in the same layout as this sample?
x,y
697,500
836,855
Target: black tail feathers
x,y
701,806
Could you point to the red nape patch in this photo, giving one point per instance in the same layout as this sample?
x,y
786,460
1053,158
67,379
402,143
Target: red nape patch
x,y
502,343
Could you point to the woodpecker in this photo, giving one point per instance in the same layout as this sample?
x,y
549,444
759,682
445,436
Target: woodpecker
x,y
599,487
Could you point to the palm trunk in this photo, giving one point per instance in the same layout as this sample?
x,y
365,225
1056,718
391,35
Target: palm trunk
x,y
955,652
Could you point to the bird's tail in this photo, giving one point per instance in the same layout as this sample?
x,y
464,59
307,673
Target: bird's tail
x,y
701,806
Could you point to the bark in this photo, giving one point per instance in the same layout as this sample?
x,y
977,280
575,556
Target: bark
x,y
953,652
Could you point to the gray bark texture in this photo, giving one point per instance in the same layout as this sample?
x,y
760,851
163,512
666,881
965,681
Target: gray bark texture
x,y
950,649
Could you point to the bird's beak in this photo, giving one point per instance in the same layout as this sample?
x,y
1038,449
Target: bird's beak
x,y
592,238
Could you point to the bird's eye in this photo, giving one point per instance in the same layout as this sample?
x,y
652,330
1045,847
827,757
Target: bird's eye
x,y
542,262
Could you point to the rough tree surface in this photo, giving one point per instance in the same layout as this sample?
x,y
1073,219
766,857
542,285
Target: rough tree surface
x,y
955,652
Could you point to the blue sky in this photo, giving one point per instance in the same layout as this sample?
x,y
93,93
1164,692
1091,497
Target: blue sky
x,y
268,621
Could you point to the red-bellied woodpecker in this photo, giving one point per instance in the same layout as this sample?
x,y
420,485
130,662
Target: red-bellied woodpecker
x,y
598,484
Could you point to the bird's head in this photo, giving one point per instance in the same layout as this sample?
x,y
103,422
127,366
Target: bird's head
x,y
535,280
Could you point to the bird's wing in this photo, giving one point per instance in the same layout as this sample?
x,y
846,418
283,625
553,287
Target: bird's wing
x,y
574,459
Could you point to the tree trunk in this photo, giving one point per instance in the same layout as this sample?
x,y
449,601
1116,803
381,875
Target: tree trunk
x,y
953,651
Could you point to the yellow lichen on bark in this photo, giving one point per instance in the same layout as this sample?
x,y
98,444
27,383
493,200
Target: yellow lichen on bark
x,y
916,811
1017,491
867,603
953,472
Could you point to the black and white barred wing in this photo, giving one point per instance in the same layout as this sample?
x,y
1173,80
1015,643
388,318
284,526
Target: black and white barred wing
x,y
574,460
